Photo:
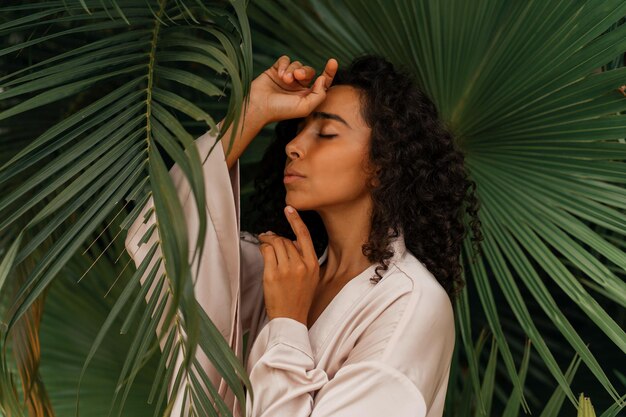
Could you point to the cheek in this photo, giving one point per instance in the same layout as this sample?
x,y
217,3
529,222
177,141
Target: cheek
x,y
335,176
339,182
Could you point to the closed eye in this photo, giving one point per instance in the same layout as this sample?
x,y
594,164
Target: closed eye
x,y
326,136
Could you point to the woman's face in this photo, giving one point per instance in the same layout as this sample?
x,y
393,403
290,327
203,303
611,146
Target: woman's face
x,y
331,151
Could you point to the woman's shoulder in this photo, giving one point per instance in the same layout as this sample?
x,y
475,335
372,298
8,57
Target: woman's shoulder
x,y
428,314
408,281
423,283
413,332
423,337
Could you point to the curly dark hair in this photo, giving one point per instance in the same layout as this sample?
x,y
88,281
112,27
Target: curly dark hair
x,y
422,184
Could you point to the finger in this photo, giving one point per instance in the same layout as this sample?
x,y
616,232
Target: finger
x,y
320,86
297,245
293,253
281,64
304,75
330,70
288,74
302,234
279,248
277,63
317,94
269,258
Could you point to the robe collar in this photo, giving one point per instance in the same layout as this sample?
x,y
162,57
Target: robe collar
x,y
348,298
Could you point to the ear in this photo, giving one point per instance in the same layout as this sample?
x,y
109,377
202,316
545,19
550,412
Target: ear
x,y
374,180
372,173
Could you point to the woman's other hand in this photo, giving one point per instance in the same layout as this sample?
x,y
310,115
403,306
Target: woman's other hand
x,y
291,271
284,90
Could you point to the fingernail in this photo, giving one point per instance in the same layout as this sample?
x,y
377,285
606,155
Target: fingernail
x,y
269,232
290,210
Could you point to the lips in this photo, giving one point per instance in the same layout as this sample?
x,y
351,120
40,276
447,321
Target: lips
x,y
292,172
292,175
291,178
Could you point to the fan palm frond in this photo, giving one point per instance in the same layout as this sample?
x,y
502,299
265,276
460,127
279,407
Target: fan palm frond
x,y
522,86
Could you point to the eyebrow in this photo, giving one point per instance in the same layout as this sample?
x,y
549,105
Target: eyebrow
x,y
331,116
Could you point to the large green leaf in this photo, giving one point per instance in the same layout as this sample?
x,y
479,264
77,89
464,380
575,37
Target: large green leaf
x,y
74,312
127,76
521,85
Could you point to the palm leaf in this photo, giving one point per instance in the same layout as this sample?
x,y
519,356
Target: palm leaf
x,y
74,313
126,89
522,86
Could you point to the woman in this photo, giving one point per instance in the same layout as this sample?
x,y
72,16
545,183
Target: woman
x,y
376,184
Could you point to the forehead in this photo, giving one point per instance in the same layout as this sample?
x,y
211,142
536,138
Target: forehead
x,y
345,101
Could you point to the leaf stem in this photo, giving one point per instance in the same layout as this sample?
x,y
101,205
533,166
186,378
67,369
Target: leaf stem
x,y
153,45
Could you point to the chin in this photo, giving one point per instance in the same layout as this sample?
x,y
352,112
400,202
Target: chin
x,y
298,204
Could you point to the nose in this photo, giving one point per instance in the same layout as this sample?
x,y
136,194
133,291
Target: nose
x,y
295,149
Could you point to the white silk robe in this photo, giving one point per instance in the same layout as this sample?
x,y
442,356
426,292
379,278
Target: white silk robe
x,y
376,350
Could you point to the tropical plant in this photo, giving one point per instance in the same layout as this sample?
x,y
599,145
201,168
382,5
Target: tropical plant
x,y
530,89
123,75
462,403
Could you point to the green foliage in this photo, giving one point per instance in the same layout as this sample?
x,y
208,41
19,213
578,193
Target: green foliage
x,y
97,98
530,90
126,75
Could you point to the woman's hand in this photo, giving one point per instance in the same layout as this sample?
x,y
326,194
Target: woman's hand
x,y
282,91
291,271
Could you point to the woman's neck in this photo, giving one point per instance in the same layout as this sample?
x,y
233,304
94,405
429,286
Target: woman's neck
x,y
348,230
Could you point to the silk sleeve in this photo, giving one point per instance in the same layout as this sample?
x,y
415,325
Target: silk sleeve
x,y
216,271
399,365
286,382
